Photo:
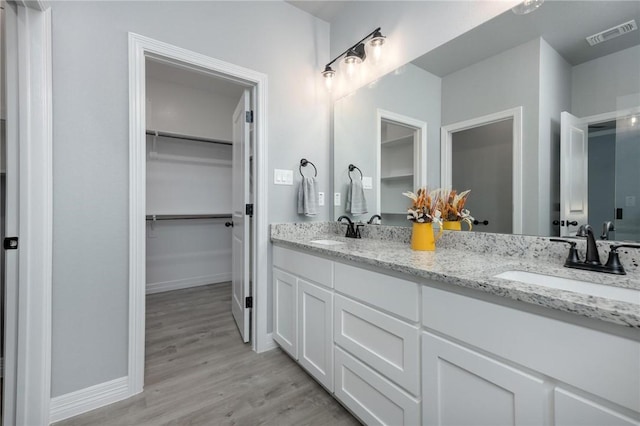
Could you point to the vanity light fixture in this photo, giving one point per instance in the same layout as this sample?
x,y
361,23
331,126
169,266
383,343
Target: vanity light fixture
x,y
527,6
355,55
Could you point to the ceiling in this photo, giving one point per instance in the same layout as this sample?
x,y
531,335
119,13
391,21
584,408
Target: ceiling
x,y
325,10
564,24
193,79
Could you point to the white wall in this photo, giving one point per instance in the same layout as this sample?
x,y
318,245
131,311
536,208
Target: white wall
x,y
180,109
91,124
555,97
411,92
600,85
507,80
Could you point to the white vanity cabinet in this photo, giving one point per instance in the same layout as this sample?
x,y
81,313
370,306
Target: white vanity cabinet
x,y
463,387
303,311
399,352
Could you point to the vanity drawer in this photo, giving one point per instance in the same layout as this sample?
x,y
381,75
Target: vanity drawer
x,y
400,297
383,342
371,397
600,363
313,268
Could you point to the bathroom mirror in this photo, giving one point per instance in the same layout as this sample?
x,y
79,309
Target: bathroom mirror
x,y
510,77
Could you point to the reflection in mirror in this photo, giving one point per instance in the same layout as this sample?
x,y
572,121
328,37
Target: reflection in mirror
x,y
614,173
540,63
481,158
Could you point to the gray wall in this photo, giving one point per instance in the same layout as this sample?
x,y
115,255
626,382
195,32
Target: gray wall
x,y
90,148
604,84
507,80
602,179
412,92
627,178
555,97
482,161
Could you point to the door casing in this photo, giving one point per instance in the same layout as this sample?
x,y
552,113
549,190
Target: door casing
x,y
140,48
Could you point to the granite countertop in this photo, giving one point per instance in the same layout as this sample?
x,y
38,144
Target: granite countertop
x,y
476,271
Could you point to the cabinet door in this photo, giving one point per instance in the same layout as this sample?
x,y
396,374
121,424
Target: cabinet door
x,y
574,410
285,314
371,397
462,387
315,328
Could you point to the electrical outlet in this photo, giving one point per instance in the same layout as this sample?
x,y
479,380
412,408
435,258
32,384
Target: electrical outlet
x,y
336,199
321,198
630,201
367,182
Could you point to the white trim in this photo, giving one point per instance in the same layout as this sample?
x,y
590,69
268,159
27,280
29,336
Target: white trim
x,y
87,399
140,48
30,327
419,149
162,286
445,154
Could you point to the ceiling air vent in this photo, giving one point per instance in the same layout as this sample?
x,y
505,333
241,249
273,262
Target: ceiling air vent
x,y
614,32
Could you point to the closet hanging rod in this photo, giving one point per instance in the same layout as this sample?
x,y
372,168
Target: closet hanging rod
x,y
187,216
186,137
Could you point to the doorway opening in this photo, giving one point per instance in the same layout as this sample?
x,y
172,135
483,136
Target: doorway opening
x,y
198,170
402,163
490,143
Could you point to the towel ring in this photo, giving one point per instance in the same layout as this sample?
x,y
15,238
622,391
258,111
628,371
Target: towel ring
x,y
303,163
352,168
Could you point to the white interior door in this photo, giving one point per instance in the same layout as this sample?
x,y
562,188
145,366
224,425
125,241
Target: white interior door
x,y
573,173
240,230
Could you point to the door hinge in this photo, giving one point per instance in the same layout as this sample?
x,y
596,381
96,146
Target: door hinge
x,y
249,210
10,243
248,302
248,116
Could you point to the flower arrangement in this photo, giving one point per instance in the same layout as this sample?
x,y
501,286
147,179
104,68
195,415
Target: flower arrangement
x,y
424,207
451,204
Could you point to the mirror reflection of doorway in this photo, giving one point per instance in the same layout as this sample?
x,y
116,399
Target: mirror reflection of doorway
x,y
613,176
481,160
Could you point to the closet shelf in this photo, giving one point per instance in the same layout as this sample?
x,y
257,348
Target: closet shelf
x,y
408,139
187,216
187,137
184,159
398,176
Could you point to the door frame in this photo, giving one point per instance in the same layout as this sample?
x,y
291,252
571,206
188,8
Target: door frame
x,y
141,47
419,149
27,384
587,121
446,138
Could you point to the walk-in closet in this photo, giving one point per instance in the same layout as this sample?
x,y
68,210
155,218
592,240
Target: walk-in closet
x,y
188,211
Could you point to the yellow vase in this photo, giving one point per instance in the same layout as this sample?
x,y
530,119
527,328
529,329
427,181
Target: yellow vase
x,y
423,238
455,225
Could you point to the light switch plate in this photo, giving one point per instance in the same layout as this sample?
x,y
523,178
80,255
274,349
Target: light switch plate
x,y
367,182
321,198
336,199
630,201
282,177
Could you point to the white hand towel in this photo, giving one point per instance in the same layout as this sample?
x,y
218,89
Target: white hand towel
x,y
356,203
308,197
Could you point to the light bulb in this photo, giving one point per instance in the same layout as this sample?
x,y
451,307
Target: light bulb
x,y
634,120
376,45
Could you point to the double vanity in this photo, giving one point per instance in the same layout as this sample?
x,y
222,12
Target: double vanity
x,y
488,329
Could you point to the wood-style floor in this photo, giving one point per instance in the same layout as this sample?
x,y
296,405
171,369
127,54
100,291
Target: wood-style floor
x,y
198,372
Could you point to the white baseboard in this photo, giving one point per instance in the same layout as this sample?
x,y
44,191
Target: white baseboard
x,y
267,344
87,399
187,282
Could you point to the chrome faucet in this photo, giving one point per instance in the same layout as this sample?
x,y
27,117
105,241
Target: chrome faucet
x,y
607,227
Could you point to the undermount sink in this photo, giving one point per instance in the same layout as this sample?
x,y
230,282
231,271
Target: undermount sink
x,y
327,242
585,287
